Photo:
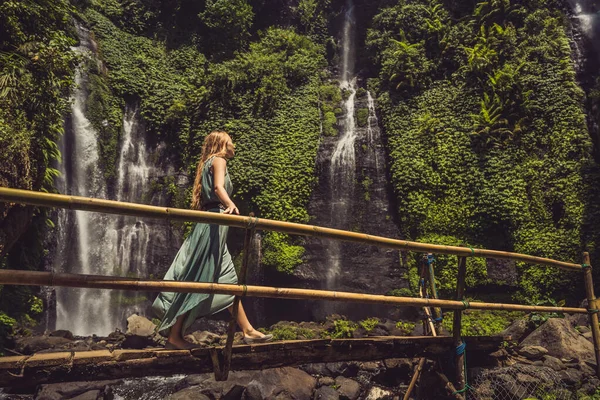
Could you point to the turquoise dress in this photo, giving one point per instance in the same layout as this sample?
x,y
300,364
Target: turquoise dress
x,y
203,257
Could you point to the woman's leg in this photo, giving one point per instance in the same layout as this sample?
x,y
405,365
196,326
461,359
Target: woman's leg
x,y
176,334
244,324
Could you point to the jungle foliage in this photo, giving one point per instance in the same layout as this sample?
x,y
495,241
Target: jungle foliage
x,y
486,131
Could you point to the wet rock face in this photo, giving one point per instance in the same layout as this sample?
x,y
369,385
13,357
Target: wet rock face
x,y
362,268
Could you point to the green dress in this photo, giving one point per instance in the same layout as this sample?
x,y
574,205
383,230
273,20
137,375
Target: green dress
x,y
203,257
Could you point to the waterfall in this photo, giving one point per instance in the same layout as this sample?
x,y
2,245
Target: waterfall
x,y
343,159
93,243
83,311
585,40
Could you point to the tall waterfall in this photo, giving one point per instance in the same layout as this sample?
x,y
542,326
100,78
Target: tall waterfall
x,y
84,311
352,194
343,160
93,243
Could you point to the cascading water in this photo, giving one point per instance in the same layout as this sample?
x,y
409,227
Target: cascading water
x,y
352,194
92,243
585,36
81,310
343,160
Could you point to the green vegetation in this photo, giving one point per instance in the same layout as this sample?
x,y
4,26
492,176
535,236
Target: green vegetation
x,y
406,327
343,329
486,132
483,323
369,324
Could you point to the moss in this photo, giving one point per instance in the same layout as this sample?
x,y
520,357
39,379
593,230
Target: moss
x,y
369,324
362,116
279,254
403,292
406,327
483,323
343,329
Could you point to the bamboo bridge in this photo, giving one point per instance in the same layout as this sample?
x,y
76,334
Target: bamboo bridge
x,y
23,370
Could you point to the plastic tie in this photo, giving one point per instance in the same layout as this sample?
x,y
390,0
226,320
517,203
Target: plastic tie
x,y
467,387
430,259
245,290
586,266
461,349
465,304
472,251
593,311
438,319
422,282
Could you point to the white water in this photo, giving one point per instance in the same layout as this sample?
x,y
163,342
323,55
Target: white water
x,y
83,311
343,160
93,243
373,132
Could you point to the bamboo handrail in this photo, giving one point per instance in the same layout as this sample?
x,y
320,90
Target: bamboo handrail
x,y
35,278
142,210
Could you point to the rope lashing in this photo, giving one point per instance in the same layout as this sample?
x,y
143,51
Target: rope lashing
x,y
245,290
593,311
462,349
465,304
472,251
586,266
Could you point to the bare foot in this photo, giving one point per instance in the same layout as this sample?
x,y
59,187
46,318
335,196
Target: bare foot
x,y
180,343
254,334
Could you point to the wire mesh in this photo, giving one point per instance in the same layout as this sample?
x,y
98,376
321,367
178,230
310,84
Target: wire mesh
x,y
519,382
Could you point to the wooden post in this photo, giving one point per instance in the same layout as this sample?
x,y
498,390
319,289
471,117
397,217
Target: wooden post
x,y
592,308
456,327
224,372
437,312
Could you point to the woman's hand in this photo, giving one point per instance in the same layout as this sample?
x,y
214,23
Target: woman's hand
x,y
232,209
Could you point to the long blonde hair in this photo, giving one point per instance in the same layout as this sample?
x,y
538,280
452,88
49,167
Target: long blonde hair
x,y
215,144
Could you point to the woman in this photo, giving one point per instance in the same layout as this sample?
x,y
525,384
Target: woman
x,y
204,256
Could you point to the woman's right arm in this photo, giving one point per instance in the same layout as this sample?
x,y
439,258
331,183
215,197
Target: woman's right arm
x,y
219,165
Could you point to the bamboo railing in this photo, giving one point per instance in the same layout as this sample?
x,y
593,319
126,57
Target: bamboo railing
x,y
250,223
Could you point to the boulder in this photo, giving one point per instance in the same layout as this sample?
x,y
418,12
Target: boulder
x,y
347,388
79,390
191,393
63,333
533,352
141,333
579,319
208,386
377,393
326,381
518,330
571,376
554,363
281,383
326,393
561,340
34,344
204,338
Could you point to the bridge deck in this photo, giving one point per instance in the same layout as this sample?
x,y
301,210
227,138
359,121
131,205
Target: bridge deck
x,y
19,371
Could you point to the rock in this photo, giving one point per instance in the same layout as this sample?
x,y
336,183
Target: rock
x,y
326,393
140,326
533,352
216,390
331,369
561,340
281,383
371,366
502,272
141,333
571,376
192,393
554,363
69,390
583,329
586,369
579,319
402,363
63,333
205,324
588,336
34,344
91,395
377,393
204,338
347,388
325,381
590,387
518,330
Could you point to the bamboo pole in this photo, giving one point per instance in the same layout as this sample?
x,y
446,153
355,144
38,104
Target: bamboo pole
x,y
415,377
437,312
36,278
592,308
456,327
224,372
141,210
